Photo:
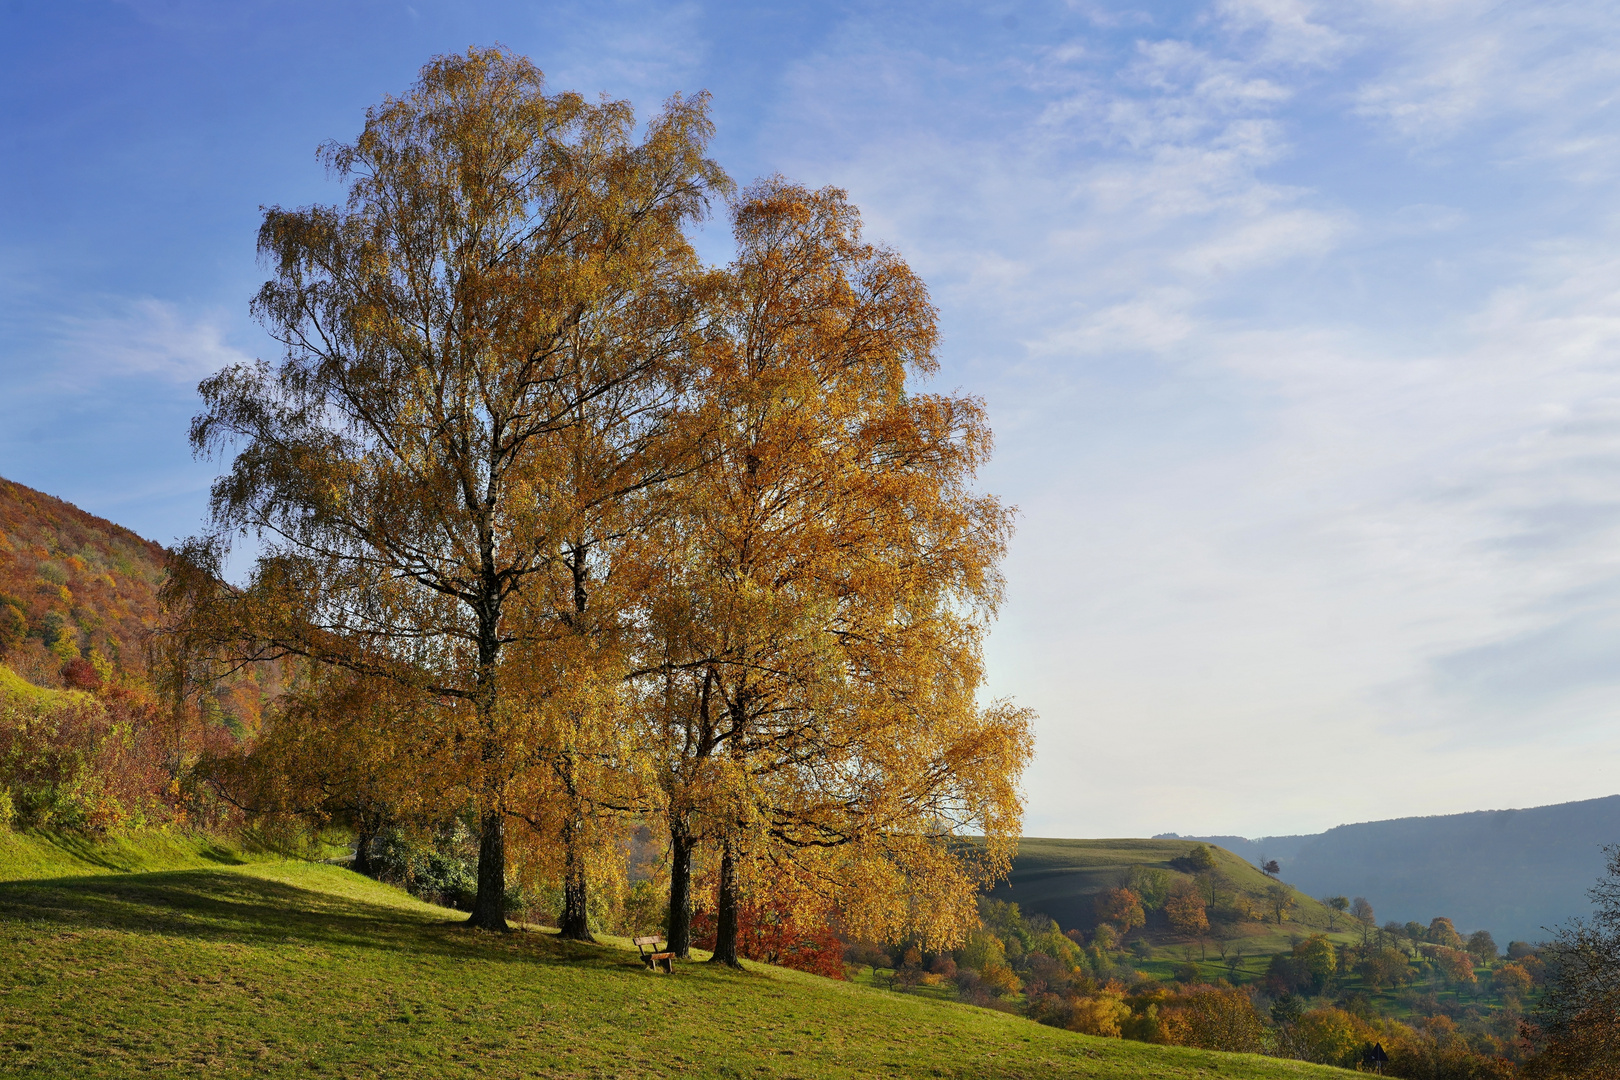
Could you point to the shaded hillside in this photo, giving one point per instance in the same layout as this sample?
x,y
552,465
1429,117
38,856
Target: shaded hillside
x,y
1511,872
1062,878
71,585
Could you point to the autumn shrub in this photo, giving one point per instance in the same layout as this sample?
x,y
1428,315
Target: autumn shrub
x,y
1213,1018
1511,980
1326,1036
60,757
1101,1013
1437,1051
1198,860
13,627
80,674
771,931
1000,980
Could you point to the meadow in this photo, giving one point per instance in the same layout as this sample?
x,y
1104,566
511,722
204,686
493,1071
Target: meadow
x,y
209,962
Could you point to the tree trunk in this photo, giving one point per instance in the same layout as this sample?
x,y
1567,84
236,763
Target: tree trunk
x,y
489,908
725,936
365,832
680,891
575,924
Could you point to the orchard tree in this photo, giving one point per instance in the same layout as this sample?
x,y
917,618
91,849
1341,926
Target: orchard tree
x,y
1362,912
1336,905
505,259
1186,911
1442,932
1279,901
1120,908
1483,946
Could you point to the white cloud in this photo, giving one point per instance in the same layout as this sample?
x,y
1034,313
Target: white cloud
x,y
144,336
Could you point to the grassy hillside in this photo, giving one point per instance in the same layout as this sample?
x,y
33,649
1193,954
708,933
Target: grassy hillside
x,y
1061,879
51,855
296,969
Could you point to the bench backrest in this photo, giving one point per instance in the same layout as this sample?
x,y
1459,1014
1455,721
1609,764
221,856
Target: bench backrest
x,y
640,941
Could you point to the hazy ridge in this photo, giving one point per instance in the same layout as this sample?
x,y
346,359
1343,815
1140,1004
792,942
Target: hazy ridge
x,y
1512,872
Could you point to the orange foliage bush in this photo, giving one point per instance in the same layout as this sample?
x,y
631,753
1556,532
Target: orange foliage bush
x,y
768,931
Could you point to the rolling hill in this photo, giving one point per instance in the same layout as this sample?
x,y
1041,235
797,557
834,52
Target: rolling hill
x,y
275,968
1512,872
1061,879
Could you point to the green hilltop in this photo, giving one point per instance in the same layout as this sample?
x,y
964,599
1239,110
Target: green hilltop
x,y
1062,879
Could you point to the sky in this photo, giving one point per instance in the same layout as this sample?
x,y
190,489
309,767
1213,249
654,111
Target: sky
x,y
1298,325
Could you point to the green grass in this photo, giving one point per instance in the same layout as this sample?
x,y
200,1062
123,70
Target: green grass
x,y
284,969
42,855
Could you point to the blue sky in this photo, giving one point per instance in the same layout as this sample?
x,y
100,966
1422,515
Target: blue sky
x,y
1299,325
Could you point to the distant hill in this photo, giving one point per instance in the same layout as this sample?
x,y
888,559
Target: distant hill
x,y
1061,879
71,585
1512,872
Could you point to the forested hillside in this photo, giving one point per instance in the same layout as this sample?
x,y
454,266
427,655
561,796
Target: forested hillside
x,y
72,586
85,743
1512,872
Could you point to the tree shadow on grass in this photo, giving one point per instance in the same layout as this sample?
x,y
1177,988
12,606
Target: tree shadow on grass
x,y
98,853
223,906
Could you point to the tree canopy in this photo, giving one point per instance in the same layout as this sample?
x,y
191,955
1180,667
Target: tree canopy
x,y
556,526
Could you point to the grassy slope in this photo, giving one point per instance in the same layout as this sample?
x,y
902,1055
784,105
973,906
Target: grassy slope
x,y
298,969
46,855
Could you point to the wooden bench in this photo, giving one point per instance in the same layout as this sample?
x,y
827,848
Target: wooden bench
x,y
655,960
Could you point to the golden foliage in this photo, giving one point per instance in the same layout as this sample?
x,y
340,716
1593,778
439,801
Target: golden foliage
x,y
582,532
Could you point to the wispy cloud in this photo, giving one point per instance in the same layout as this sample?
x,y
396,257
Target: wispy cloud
x,y
1299,469
142,336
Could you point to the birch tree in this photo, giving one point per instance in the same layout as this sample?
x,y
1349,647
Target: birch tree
x,y
443,332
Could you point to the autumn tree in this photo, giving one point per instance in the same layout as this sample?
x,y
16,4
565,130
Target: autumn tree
x,y
1279,901
1483,946
1120,908
1362,912
340,747
1454,965
1577,1017
1185,910
1511,980
1442,932
442,332
1382,967
1336,905
813,658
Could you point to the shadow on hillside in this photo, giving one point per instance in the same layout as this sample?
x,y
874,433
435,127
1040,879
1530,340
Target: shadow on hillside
x,y
212,905
97,853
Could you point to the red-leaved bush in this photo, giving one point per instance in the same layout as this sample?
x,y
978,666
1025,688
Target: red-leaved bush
x,y
768,932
